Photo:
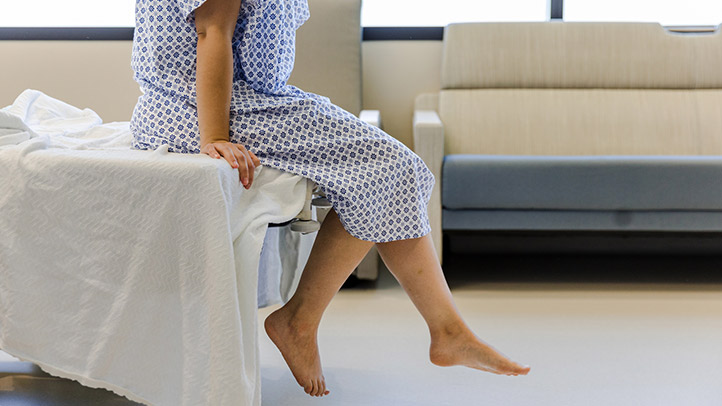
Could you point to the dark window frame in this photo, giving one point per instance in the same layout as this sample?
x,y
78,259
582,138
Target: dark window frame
x,y
556,9
126,33
66,33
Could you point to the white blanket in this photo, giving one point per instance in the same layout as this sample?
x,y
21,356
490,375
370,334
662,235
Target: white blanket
x,y
133,271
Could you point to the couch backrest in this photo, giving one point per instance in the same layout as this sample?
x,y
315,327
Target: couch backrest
x,y
581,89
328,52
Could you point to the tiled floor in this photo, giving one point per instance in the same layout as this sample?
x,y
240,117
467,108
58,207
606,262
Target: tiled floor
x,y
596,331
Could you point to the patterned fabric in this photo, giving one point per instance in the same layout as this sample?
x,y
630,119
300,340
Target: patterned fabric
x,y
378,187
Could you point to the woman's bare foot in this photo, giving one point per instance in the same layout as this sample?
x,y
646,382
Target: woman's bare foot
x,y
459,346
297,343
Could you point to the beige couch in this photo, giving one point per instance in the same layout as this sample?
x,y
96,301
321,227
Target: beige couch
x,y
574,126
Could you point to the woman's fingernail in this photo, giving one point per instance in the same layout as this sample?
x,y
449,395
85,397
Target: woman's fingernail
x,y
245,181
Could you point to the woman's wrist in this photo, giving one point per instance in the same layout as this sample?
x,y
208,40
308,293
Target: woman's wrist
x,y
212,140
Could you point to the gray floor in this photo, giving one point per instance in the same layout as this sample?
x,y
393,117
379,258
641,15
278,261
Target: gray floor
x,y
595,330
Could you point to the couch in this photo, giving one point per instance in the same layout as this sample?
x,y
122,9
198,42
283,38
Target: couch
x,y
602,127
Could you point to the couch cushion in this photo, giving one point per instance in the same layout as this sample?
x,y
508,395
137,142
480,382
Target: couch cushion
x,y
579,55
582,183
582,121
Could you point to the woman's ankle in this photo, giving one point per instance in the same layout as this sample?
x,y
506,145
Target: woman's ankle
x,y
449,330
295,316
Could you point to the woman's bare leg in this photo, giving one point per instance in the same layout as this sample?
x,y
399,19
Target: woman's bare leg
x,y
415,265
335,254
293,328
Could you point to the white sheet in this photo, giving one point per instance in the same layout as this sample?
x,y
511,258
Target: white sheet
x,y
133,271
283,257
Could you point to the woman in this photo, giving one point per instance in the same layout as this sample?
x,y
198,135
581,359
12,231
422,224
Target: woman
x,y
214,74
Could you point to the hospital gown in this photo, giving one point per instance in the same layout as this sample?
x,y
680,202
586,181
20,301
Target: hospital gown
x,y
379,188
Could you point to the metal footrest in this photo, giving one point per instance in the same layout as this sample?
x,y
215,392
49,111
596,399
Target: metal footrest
x,y
305,226
321,202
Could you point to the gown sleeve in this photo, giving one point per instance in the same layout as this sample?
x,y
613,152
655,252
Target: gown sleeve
x,y
188,7
301,12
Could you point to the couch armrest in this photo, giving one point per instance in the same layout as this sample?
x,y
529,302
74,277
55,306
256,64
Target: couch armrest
x,y
372,117
429,146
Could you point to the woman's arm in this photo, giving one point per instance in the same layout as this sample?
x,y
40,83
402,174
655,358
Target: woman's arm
x,y
215,25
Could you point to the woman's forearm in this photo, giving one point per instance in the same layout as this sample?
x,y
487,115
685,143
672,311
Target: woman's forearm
x,y
214,78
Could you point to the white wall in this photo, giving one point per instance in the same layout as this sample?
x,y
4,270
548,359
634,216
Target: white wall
x,y
394,73
97,74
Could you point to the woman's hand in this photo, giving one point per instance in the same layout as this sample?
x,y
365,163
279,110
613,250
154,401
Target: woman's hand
x,y
237,156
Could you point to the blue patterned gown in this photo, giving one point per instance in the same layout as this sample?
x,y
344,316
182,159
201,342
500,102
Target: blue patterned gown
x,y
378,187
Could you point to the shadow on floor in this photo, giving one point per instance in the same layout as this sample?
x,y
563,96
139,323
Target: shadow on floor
x,y
586,271
24,384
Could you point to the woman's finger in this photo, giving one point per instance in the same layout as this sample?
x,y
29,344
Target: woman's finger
x,y
227,151
255,159
210,150
242,164
249,161
243,168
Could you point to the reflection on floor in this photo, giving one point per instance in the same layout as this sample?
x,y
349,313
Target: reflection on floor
x,y
596,331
